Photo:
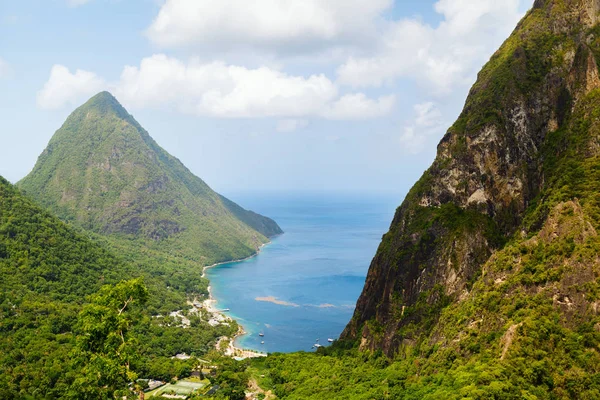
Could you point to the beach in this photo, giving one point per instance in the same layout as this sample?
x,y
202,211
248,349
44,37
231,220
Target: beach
x,y
218,316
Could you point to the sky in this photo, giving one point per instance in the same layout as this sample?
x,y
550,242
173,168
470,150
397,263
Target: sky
x,y
254,95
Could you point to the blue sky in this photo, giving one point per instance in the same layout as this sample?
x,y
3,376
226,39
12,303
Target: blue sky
x,y
305,95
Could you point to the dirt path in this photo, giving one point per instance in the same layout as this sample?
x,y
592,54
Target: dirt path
x,y
255,390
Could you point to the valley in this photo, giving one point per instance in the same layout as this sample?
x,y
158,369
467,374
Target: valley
x,y
124,275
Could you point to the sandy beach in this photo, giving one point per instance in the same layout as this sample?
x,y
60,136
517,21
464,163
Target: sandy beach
x,y
210,306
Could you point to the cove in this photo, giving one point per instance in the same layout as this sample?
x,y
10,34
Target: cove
x,y
303,285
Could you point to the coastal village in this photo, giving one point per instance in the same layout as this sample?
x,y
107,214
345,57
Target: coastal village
x,y
199,383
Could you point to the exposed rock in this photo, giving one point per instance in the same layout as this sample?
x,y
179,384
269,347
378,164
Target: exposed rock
x,y
507,339
478,197
490,167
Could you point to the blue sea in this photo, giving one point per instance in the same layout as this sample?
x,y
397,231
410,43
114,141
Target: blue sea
x,y
303,286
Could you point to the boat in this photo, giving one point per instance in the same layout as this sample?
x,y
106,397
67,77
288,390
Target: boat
x,y
317,345
261,334
330,340
263,342
317,340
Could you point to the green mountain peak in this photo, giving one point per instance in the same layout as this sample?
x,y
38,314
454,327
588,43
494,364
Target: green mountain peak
x,y
103,171
105,102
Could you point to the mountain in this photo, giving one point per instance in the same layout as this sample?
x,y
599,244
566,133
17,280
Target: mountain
x,y
509,211
130,210
103,172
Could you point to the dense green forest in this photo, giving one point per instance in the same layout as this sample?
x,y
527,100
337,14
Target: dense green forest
x,y
49,273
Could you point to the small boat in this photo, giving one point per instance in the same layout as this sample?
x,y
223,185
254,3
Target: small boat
x,y
330,340
317,345
317,340
263,342
261,334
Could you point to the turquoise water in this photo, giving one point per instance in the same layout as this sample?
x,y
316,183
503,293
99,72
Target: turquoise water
x,y
315,270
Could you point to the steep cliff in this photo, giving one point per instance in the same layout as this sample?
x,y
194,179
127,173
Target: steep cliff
x,y
524,149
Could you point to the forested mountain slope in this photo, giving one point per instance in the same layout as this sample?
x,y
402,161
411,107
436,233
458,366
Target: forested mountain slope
x,y
487,285
525,146
102,171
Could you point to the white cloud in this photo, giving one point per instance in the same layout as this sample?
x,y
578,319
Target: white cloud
x,y
65,88
228,91
376,50
291,125
359,106
427,124
439,57
77,3
283,25
218,90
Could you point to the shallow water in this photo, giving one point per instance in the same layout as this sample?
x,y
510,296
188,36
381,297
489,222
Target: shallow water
x,y
315,271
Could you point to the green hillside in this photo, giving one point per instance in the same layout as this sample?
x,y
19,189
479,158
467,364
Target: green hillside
x,y
119,193
104,173
48,270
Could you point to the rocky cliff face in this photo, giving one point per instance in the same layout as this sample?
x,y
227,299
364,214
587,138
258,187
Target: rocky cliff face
x,y
495,177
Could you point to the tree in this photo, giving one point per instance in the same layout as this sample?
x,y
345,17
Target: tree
x,y
104,346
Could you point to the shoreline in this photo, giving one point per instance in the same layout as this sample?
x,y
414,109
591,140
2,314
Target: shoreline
x,y
210,306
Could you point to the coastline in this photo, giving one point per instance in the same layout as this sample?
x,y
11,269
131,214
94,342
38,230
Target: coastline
x,y
210,306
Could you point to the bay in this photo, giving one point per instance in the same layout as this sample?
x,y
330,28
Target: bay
x,y
303,286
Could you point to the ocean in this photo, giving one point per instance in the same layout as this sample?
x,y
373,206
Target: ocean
x,y
301,288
